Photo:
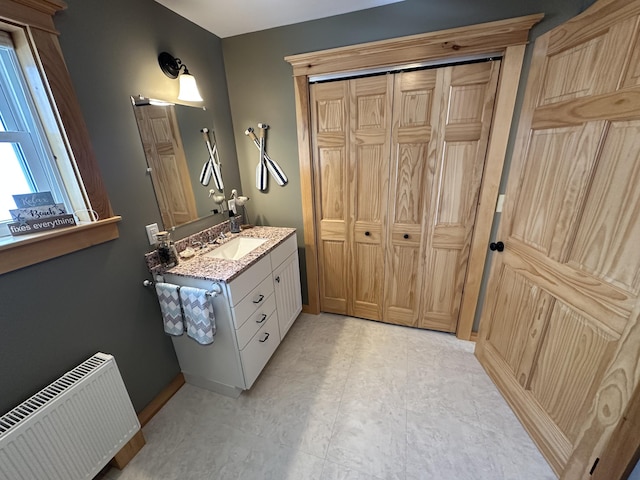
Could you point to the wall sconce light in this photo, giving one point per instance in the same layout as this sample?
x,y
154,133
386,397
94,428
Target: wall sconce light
x,y
171,67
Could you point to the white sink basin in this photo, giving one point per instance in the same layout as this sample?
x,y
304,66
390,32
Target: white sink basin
x,y
236,249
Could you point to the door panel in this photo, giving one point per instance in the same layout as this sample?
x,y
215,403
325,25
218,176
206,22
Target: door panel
x,y
602,247
370,123
461,132
413,117
542,224
559,334
329,120
518,314
568,365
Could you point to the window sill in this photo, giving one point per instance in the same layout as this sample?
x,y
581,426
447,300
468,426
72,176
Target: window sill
x,y
19,252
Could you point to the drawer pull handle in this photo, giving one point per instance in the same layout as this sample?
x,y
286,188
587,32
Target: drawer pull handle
x,y
262,318
278,279
260,298
406,236
367,233
264,338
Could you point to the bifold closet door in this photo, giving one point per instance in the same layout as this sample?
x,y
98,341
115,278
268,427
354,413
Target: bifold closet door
x,y
454,179
330,143
351,121
370,127
415,122
398,162
441,125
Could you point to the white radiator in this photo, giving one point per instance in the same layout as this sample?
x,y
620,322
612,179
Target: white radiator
x,y
70,429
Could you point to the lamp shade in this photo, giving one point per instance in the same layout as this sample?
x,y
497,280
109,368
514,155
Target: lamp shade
x,y
188,89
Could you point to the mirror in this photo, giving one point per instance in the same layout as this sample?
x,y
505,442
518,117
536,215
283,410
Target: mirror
x,y
176,153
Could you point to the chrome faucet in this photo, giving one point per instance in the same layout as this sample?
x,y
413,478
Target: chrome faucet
x,y
196,243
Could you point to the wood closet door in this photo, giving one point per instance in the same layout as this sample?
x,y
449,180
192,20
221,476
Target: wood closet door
x,y
351,121
441,124
560,334
454,175
330,131
163,148
415,125
370,140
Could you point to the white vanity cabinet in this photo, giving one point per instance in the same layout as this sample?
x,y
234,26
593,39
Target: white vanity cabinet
x,y
253,313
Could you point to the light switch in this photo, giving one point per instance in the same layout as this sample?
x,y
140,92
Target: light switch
x,y
152,231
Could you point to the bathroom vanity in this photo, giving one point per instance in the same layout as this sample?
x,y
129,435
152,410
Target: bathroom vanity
x,y
259,299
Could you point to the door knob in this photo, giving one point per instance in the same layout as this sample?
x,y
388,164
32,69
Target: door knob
x,y
499,246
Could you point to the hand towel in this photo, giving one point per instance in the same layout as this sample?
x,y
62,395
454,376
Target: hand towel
x,y
198,314
168,296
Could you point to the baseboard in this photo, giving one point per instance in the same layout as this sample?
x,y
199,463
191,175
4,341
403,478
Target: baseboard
x,y
130,450
133,446
161,399
473,337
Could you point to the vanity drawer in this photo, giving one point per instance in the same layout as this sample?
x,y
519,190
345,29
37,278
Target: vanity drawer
x,y
254,300
282,251
259,350
240,286
255,321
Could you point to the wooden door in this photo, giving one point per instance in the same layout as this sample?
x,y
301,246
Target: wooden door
x,y
330,143
415,124
162,145
442,118
465,110
351,123
560,334
399,162
370,115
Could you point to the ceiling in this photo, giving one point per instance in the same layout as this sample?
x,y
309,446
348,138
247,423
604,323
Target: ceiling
x,y
226,18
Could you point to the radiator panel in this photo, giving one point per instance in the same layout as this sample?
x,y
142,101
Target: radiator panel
x,y
70,429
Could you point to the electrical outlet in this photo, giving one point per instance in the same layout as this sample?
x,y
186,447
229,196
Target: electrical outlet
x,y
152,231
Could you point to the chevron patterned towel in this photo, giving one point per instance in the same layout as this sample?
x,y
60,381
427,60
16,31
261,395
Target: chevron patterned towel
x,y
198,314
168,297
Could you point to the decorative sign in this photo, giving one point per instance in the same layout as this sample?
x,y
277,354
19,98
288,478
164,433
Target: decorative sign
x,y
38,199
42,224
35,213
38,212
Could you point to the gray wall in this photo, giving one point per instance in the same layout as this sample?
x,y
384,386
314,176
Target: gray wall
x,y
261,86
55,314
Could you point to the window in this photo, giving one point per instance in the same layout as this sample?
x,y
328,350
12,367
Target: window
x,y
26,159
44,142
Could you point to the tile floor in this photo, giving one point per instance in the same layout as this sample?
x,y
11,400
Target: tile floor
x,y
347,399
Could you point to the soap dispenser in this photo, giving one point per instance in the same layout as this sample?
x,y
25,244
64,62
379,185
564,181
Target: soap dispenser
x,y
234,224
167,252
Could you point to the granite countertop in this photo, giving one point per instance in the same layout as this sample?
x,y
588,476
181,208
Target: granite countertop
x,y
207,268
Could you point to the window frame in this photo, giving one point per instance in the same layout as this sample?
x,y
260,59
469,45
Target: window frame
x,y
32,27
